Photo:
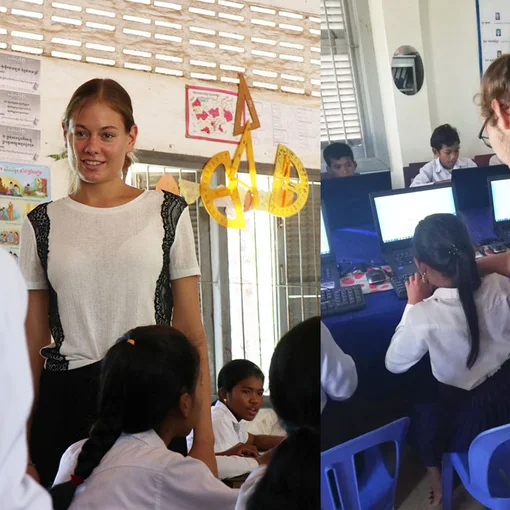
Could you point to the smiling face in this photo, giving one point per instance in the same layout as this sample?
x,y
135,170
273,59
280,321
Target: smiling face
x,y
98,143
245,399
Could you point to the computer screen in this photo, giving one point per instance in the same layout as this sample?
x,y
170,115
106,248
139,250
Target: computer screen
x,y
325,249
399,214
500,194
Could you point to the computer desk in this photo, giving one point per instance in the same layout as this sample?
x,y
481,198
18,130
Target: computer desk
x,y
366,334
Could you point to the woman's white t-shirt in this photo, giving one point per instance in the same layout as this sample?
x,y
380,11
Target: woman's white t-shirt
x,y
107,269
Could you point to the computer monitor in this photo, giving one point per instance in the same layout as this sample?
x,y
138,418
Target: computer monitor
x,y
397,213
325,249
347,200
470,185
499,190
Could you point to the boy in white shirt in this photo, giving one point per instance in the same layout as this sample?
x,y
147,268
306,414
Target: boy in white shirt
x,y
445,143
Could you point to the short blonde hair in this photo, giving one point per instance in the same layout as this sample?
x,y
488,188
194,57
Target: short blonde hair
x,y
495,85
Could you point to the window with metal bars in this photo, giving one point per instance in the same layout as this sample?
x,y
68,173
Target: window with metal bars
x,y
341,119
270,281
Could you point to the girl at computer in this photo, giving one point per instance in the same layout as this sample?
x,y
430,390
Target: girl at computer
x,y
462,321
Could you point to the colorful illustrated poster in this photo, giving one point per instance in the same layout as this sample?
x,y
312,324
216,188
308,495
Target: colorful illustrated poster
x,y
20,109
19,144
22,189
493,30
210,114
20,73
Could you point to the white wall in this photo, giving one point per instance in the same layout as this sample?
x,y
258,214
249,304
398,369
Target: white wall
x,y
445,34
159,109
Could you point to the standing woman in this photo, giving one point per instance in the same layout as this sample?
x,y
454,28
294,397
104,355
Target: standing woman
x,y
107,258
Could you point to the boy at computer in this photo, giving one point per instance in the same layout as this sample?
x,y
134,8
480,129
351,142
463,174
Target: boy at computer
x,y
445,143
339,160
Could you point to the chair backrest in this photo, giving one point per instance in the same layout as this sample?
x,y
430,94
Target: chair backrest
x,y
338,462
480,453
411,171
482,159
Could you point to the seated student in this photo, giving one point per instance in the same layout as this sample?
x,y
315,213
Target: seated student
x,y
148,395
18,490
339,378
292,478
464,325
445,143
339,160
240,388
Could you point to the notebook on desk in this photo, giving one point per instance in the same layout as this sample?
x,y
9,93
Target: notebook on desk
x,y
346,200
470,188
499,196
396,214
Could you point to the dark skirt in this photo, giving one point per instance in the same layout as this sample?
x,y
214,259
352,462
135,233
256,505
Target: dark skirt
x,y
451,418
65,412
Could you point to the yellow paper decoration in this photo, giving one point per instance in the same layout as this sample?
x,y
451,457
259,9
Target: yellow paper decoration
x,y
288,197
167,183
209,195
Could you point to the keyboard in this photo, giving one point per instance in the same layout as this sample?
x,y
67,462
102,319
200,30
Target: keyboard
x,y
343,300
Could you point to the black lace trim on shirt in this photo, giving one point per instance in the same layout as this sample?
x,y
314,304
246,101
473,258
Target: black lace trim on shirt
x,y
171,210
41,223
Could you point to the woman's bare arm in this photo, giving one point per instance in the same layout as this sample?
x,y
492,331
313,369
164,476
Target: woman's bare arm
x,y
187,319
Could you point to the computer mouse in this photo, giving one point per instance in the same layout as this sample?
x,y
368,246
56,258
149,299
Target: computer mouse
x,y
376,277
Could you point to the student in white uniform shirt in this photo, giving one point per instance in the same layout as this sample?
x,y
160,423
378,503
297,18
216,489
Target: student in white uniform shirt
x,y
148,395
292,478
339,378
18,491
240,390
464,325
445,143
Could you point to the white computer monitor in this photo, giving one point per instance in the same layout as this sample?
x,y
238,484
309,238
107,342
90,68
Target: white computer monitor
x,y
500,199
399,213
325,249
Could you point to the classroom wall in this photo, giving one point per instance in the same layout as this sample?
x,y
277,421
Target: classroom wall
x,y
159,107
445,34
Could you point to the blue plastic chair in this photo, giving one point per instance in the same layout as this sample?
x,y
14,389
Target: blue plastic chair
x,y
375,487
484,470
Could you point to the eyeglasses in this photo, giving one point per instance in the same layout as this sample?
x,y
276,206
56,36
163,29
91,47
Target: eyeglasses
x,y
484,137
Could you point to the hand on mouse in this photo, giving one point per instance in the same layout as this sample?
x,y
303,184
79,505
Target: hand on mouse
x,y
417,289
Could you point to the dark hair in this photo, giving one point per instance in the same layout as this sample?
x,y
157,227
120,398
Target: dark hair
x,y
337,150
292,477
444,135
442,242
139,385
233,372
114,95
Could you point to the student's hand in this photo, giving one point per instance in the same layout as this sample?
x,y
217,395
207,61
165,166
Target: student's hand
x,y
31,471
417,289
241,450
265,458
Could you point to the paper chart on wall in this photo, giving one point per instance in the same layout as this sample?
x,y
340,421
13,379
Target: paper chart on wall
x,y
20,109
295,127
19,144
19,73
493,30
210,114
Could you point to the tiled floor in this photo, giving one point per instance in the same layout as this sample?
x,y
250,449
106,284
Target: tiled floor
x,y
413,488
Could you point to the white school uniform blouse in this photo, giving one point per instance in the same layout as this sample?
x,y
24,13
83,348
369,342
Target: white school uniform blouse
x,y
227,433
339,378
139,472
434,171
18,491
249,486
438,325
